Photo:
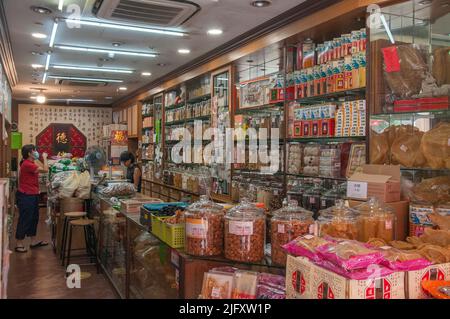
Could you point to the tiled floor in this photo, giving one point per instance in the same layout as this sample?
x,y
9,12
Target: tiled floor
x,y
38,274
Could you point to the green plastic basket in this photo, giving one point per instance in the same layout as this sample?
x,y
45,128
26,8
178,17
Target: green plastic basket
x,y
173,235
158,226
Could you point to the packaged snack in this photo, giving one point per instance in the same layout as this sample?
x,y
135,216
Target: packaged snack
x,y
267,292
397,259
217,285
244,285
306,246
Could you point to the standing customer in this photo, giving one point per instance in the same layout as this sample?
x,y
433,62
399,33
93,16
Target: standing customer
x,y
134,174
28,197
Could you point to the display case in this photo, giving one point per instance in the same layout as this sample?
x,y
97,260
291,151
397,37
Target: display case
x,y
410,121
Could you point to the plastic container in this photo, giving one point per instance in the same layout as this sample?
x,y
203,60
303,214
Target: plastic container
x,y
204,228
376,220
287,224
245,228
338,221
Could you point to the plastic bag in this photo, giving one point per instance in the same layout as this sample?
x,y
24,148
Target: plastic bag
x,y
84,188
70,185
119,189
305,246
350,254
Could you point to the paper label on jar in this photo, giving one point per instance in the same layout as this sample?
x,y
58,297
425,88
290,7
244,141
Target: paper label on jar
x,y
388,224
215,292
196,228
281,228
240,228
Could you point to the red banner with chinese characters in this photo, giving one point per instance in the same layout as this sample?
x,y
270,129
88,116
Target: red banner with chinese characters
x,y
57,139
119,138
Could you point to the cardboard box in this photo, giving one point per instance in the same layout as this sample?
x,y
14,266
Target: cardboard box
x,y
298,277
414,279
401,209
380,181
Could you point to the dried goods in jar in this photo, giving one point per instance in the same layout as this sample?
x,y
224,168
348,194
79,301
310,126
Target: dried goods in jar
x,y
338,221
204,228
245,228
287,224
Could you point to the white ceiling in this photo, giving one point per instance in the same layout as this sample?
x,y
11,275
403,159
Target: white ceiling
x,y
233,16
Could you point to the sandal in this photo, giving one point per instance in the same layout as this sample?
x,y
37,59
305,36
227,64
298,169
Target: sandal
x,y
20,249
39,244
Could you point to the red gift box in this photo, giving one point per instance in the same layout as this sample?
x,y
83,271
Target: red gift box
x,y
298,130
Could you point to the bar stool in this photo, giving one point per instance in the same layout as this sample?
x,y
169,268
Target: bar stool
x,y
90,239
67,218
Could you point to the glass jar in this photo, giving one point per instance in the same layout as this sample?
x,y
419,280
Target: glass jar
x,y
338,221
311,198
204,228
245,229
376,220
287,224
235,191
329,198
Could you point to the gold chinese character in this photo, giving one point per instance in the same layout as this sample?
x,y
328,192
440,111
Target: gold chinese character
x,y
61,138
119,136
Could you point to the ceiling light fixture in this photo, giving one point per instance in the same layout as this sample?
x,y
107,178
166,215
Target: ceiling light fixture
x,y
44,79
146,74
79,68
61,77
96,50
124,27
261,3
215,31
39,35
47,62
60,5
108,97
424,2
41,99
123,88
52,38
40,10
184,51
116,44
388,30
37,66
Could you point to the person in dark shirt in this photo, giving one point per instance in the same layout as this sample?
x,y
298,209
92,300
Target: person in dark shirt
x,y
28,197
134,174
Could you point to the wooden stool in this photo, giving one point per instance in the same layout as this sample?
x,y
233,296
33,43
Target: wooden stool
x,y
90,238
67,218
54,218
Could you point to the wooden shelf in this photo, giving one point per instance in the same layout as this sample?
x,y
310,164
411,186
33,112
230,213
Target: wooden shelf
x,y
199,98
331,139
360,92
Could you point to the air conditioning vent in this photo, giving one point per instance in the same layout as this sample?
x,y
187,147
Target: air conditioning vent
x,y
81,83
157,13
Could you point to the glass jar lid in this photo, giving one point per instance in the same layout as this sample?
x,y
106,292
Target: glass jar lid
x,y
293,211
374,207
205,205
246,210
338,211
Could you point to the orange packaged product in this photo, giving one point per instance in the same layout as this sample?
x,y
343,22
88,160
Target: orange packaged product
x,y
439,289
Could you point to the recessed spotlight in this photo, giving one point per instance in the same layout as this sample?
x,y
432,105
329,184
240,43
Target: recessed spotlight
x,y
184,51
162,64
36,53
261,3
215,31
41,99
41,10
116,44
37,66
146,74
39,35
123,88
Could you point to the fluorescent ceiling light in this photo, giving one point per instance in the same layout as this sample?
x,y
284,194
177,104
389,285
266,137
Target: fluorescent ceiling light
x,y
37,66
146,74
39,35
60,5
124,27
123,88
69,67
388,30
96,50
83,79
184,51
52,38
44,79
73,100
215,31
47,62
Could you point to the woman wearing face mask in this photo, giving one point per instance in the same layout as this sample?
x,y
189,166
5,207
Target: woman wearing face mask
x,y
134,174
28,197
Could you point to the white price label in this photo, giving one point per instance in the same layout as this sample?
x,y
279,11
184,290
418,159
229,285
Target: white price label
x,y
241,228
215,292
281,228
357,190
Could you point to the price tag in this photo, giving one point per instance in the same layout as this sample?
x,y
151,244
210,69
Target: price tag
x,y
175,258
241,228
357,190
281,229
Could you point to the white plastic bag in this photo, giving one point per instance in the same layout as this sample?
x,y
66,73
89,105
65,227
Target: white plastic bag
x,y
84,188
70,185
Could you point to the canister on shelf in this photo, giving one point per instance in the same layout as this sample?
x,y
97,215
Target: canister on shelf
x,y
338,221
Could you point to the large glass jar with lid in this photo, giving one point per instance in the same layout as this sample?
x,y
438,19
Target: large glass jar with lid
x,y
204,228
288,223
245,230
376,220
338,221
